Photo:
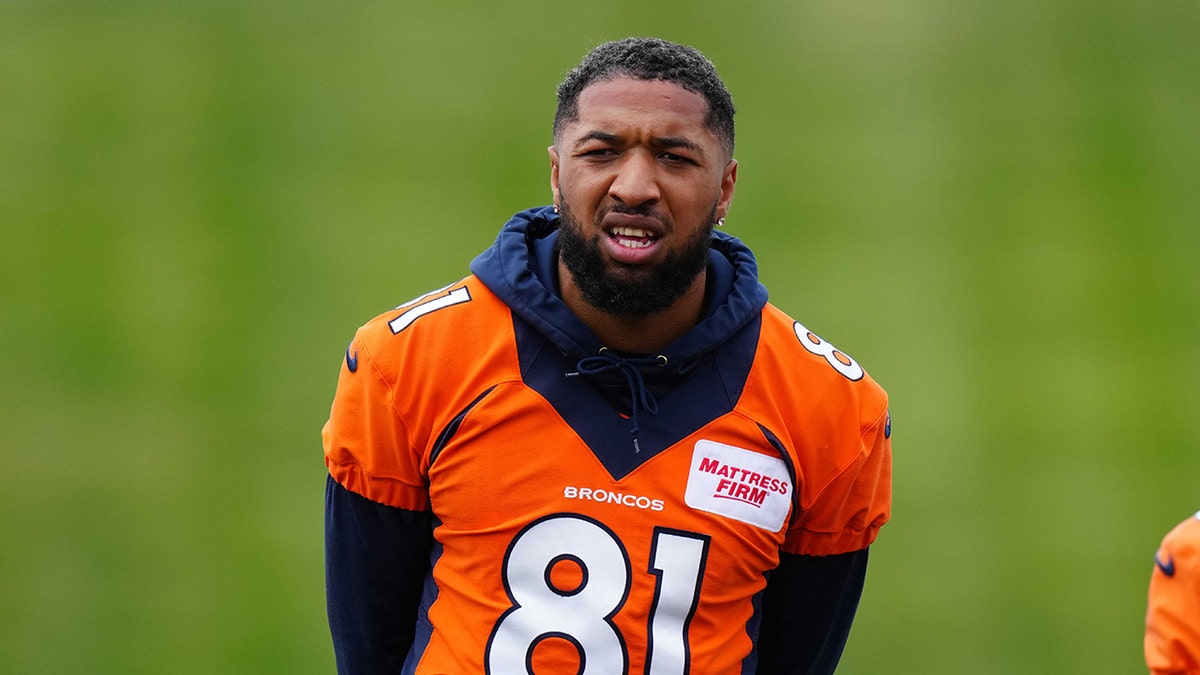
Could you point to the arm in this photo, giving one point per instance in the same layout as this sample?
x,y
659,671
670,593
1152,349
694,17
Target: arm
x,y
807,609
376,559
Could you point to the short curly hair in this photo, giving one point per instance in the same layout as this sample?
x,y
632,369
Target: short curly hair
x,y
648,58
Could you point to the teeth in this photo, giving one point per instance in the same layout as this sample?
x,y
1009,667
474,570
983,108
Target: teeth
x,y
633,243
630,232
632,237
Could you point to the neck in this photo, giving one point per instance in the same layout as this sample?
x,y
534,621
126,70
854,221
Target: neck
x,y
643,334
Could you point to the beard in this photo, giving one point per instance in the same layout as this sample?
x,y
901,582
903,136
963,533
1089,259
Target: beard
x,y
629,291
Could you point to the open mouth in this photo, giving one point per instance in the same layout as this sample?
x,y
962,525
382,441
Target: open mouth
x,y
632,237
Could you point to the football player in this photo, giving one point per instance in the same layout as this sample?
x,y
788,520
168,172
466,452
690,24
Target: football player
x,y
604,451
1172,642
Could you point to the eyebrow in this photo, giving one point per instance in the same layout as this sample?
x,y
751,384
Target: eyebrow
x,y
602,136
677,142
666,142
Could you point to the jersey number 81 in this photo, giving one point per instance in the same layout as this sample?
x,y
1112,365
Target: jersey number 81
x,y
583,613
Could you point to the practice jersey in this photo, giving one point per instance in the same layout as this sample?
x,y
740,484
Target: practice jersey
x,y
563,544
1172,643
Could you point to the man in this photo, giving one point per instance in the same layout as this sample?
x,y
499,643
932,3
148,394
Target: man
x,y
604,451
1172,642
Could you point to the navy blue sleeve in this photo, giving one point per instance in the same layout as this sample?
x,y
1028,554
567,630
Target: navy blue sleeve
x,y
376,559
807,609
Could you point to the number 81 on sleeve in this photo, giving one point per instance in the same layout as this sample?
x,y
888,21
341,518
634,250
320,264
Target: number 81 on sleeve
x,y
840,361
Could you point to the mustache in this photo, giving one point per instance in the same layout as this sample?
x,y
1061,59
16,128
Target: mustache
x,y
642,210
618,207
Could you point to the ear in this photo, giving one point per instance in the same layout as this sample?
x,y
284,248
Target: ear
x,y
553,152
728,179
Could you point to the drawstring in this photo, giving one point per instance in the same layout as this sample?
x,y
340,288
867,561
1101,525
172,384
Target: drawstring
x,y
639,395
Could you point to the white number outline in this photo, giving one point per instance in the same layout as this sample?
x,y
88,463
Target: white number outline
x,y
680,564
840,360
677,561
427,304
526,577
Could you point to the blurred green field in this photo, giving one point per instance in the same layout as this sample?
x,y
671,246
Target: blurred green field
x,y
993,206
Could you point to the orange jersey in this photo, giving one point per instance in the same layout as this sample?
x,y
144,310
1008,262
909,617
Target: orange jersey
x,y
1172,641
552,553
603,513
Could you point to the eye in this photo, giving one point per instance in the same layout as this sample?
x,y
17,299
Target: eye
x,y
672,158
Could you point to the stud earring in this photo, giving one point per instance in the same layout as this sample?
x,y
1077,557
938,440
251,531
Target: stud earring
x,y
556,208
720,222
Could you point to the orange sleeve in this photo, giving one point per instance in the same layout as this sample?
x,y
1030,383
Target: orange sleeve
x,y
369,449
1172,643
848,511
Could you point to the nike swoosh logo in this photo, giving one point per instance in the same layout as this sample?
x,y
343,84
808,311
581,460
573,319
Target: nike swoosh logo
x,y
352,361
1168,568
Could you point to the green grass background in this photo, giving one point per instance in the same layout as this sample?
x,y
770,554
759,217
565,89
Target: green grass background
x,y
992,206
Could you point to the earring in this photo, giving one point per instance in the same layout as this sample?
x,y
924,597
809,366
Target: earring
x,y
720,222
556,208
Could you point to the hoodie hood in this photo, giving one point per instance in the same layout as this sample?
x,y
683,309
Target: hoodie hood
x,y
521,268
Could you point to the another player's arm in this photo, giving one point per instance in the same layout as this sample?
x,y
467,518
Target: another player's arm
x,y
1172,637
376,560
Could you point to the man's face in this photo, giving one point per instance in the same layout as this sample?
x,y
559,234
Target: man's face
x,y
639,180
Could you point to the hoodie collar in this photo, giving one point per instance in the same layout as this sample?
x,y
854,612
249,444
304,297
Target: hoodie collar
x,y
521,268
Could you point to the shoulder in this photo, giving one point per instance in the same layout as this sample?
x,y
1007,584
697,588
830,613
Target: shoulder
x,y
406,375
1180,548
793,358
1170,643
433,355
818,400
831,419
461,318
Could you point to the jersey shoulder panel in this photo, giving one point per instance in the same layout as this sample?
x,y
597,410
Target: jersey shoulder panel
x,y
1172,640
799,353
833,420
408,373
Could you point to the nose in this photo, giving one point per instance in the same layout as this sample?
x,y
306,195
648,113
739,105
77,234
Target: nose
x,y
636,182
